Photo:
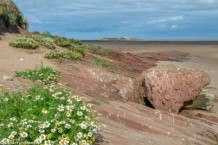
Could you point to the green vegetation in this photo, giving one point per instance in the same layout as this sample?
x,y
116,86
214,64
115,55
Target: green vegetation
x,y
64,54
61,41
8,18
78,48
99,62
97,50
22,22
46,115
44,41
41,74
24,42
11,15
176,69
64,42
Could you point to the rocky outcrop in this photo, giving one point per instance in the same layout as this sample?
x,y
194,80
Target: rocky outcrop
x,y
171,87
11,18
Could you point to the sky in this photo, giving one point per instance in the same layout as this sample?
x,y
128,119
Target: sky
x,y
147,19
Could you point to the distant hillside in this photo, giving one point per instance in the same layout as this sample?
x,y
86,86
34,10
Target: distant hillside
x,y
121,39
11,18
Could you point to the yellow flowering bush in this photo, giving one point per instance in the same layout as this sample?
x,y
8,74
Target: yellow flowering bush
x,y
46,115
65,54
44,41
24,42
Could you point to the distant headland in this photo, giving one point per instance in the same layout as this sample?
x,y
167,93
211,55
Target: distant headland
x,y
121,39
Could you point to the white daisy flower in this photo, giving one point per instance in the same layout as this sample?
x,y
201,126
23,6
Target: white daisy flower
x,y
42,137
83,125
79,113
44,111
68,114
83,108
48,142
37,141
79,135
11,136
68,126
47,124
5,141
10,125
23,134
90,134
61,108
53,130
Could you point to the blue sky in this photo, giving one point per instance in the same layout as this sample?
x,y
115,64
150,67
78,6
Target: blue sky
x,y
148,19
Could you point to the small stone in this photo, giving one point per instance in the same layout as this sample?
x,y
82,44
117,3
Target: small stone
x,y
21,59
7,78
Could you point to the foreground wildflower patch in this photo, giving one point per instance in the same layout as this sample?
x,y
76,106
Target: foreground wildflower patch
x,y
40,73
46,115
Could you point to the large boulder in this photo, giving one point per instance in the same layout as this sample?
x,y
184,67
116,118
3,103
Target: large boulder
x,y
170,87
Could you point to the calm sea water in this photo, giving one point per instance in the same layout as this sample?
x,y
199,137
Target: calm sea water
x,y
144,43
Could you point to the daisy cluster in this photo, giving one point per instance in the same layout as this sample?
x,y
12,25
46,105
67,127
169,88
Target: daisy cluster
x,y
40,74
46,115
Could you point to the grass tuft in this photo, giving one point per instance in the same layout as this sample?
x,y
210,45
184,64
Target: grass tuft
x,y
99,62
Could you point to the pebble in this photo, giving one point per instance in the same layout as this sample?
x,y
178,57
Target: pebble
x,y
7,78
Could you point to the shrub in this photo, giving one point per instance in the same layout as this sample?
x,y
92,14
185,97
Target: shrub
x,y
97,50
44,41
22,22
24,42
8,18
40,73
78,48
46,115
66,43
48,34
62,42
65,54
99,62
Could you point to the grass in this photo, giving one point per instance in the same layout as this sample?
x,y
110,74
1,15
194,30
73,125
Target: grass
x,y
99,62
24,42
41,74
46,115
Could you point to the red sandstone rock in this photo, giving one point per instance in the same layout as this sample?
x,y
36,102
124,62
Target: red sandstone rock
x,y
168,87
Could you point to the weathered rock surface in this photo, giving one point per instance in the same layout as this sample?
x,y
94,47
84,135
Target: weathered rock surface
x,y
169,87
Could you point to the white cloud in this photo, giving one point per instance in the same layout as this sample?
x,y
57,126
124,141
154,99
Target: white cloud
x,y
166,19
208,1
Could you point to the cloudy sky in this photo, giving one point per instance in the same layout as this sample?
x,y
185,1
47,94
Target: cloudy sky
x,y
148,19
